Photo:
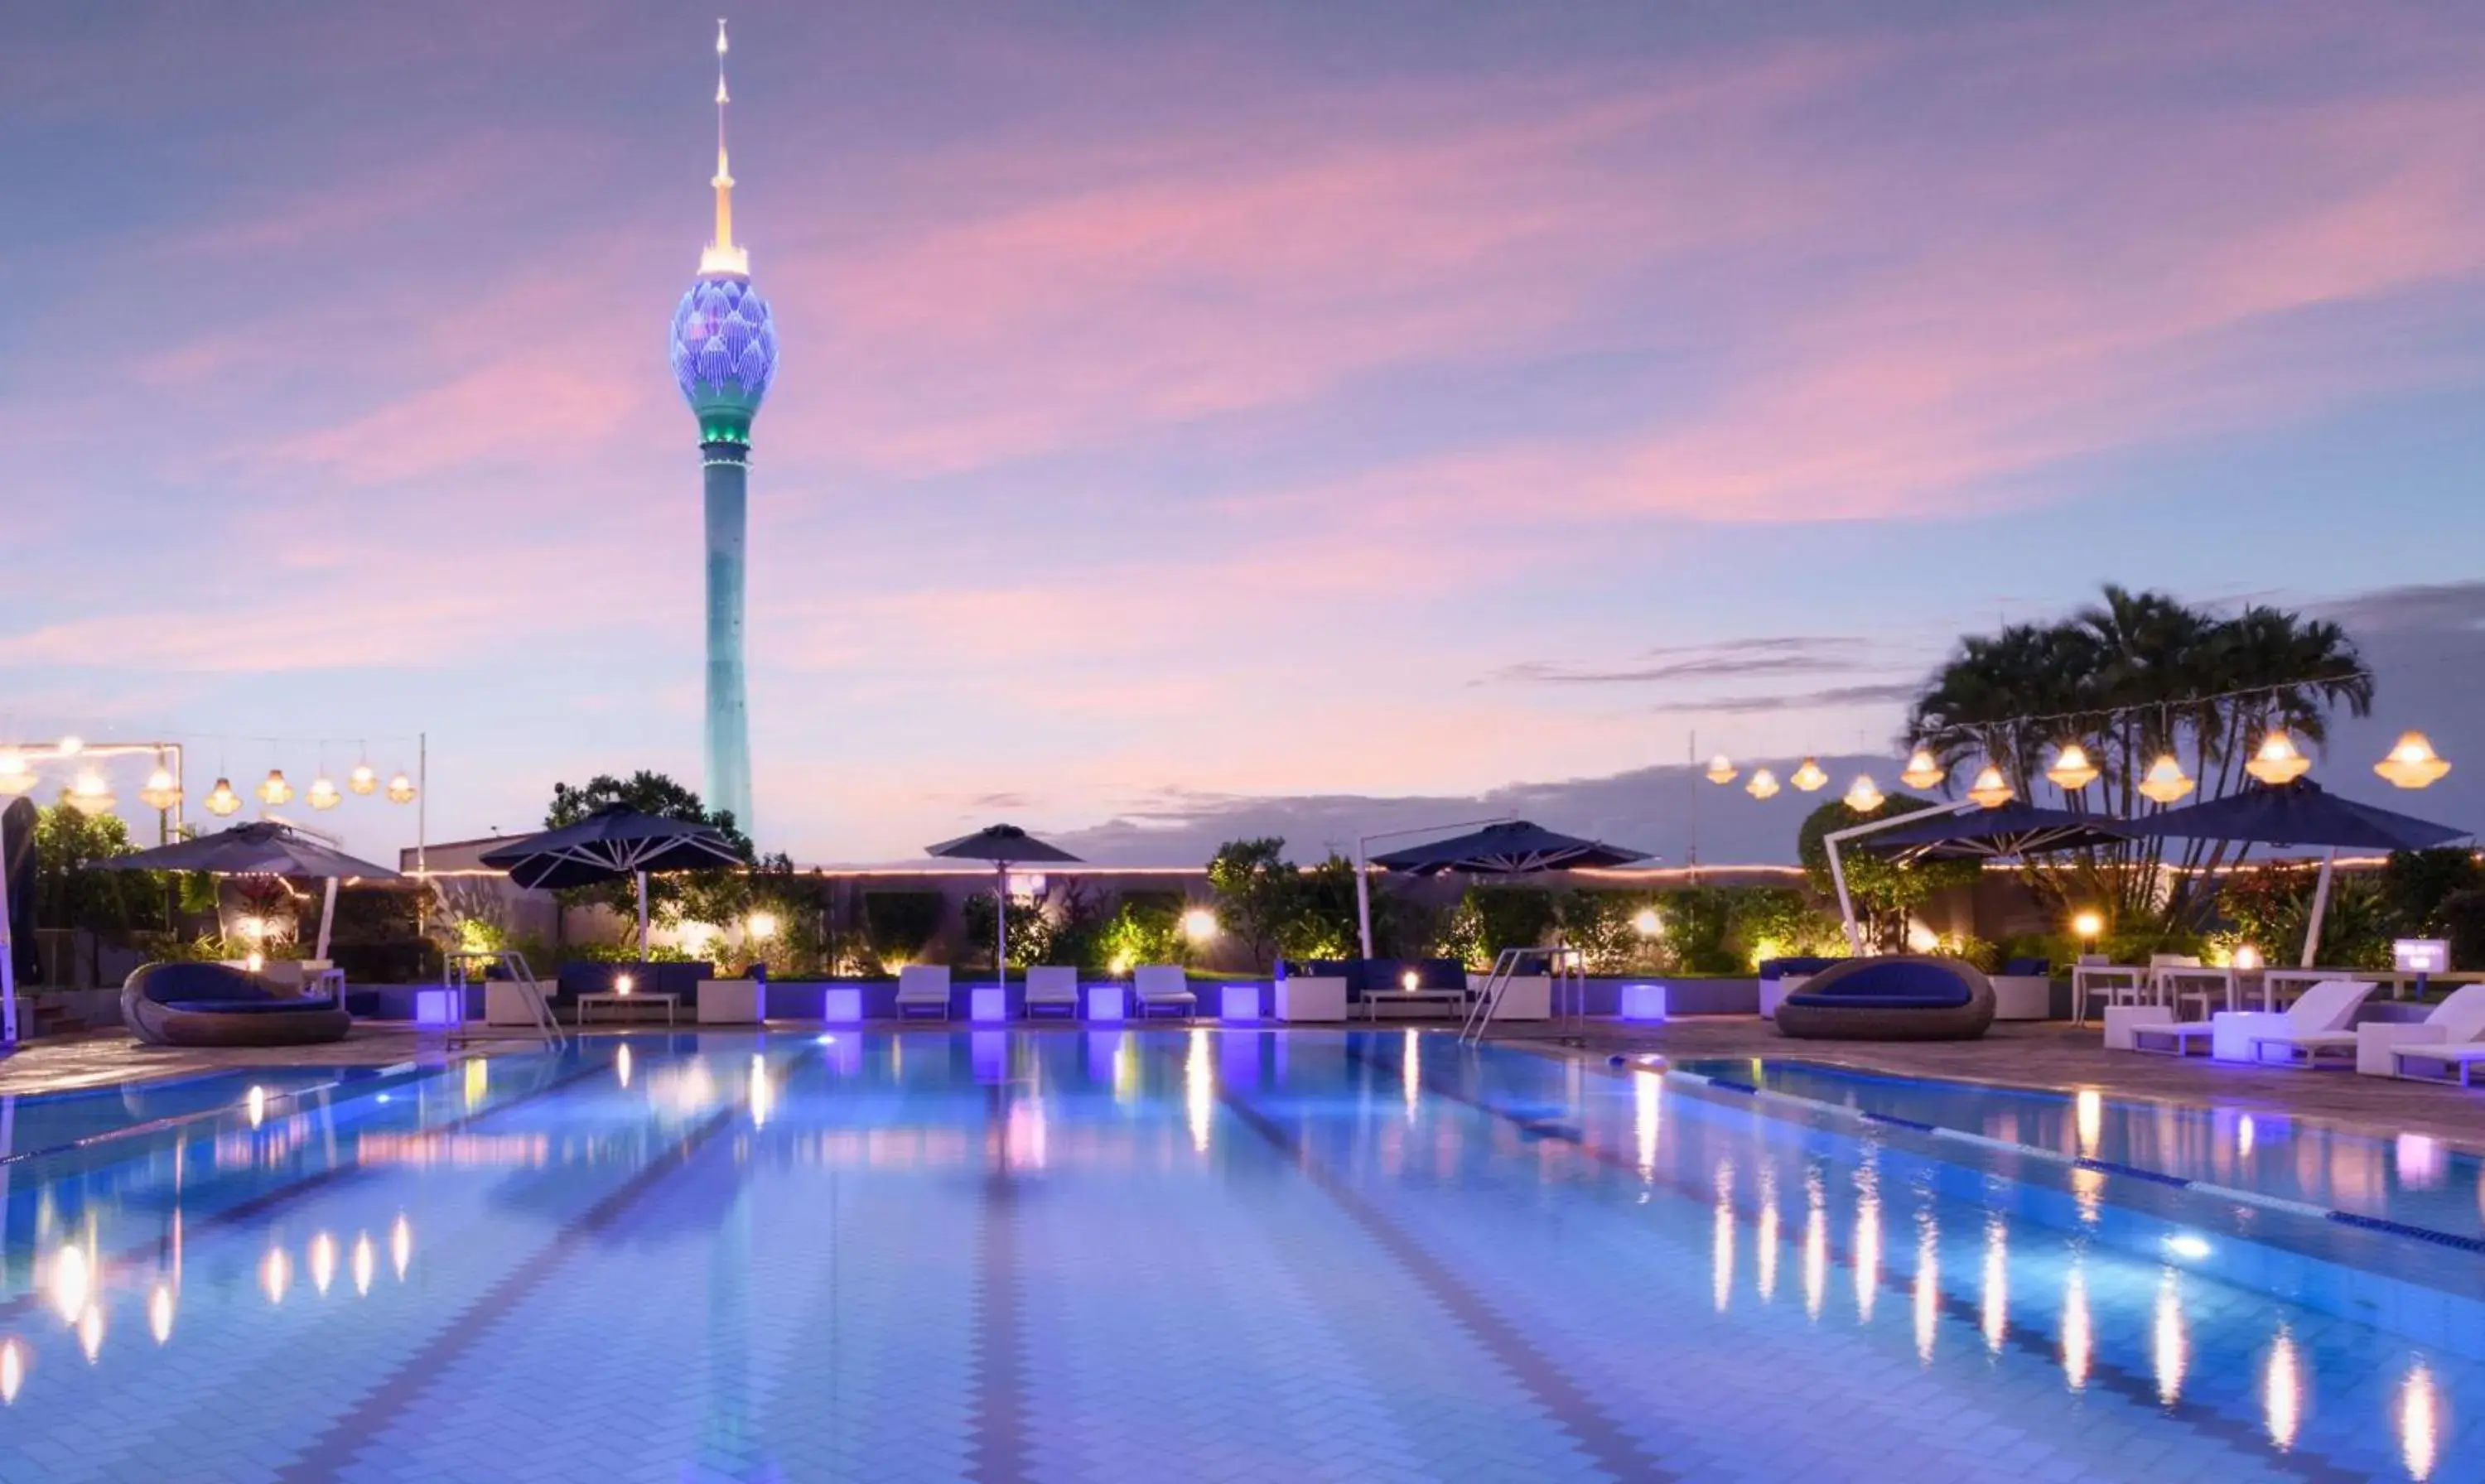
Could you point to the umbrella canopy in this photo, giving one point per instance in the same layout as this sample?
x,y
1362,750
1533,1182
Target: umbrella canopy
x,y
1004,846
614,843
261,848
2015,828
1516,848
2297,813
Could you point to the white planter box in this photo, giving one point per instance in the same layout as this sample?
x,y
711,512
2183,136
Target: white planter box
x,y
2121,1018
1528,997
1238,1002
1311,999
506,1003
732,1001
988,1003
2022,997
2377,1039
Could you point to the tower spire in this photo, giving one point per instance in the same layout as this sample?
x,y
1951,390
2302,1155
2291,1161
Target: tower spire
x,y
722,256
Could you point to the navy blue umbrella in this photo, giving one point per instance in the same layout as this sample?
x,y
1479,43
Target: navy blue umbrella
x,y
615,843
2300,812
1514,848
2015,828
1004,846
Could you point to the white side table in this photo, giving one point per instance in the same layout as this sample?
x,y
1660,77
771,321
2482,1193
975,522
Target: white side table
x,y
731,1002
613,998
2022,997
1316,998
2121,1018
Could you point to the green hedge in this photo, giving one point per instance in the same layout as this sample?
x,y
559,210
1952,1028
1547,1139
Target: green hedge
x,y
901,924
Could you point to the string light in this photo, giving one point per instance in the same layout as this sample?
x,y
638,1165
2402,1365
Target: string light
x,y
324,793
1808,776
2089,924
2278,760
2413,764
1862,796
2165,780
89,795
222,801
1763,784
71,745
400,790
364,779
1922,773
2072,770
1990,789
274,790
1722,769
161,792
15,777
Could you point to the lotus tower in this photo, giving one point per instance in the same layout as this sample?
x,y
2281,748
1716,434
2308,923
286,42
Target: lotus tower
x,y
725,358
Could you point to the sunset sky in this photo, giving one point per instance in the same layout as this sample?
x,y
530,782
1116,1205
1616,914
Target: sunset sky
x,y
1203,417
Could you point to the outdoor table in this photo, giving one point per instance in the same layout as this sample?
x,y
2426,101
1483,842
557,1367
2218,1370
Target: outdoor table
x,y
2112,980
1455,999
613,997
2174,984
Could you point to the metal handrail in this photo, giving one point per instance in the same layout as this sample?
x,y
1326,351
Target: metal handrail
x,y
453,972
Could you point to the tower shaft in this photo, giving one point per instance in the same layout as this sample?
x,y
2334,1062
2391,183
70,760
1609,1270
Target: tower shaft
x,y
726,476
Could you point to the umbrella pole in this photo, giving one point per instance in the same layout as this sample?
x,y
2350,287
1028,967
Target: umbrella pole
x,y
1362,899
2320,906
327,918
1001,924
642,917
8,961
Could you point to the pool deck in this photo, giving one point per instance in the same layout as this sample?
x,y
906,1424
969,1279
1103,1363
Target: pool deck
x,y
2048,1055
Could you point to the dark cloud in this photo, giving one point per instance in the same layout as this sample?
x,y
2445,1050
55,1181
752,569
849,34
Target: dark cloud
x,y
1881,694
1727,658
2437,605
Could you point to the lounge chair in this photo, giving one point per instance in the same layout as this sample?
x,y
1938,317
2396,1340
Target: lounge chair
x,y
1162,987
2455,1021
2327,1005
923,986
2450,1063
215,1004
1053,988
1895,997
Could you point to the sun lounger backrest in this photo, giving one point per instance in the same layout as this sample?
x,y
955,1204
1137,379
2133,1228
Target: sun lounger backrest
x,y
2462,1017
2328,1005
1052,982
1155,980
2173,961
922,980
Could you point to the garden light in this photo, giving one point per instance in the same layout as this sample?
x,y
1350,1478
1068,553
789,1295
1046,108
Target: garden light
x,y
1647,923
2088,924
622,984
2071,770
2247,958
2278,760
2413,764
762,925
1199,925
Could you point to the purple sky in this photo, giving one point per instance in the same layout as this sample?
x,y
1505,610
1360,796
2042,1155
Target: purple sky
x,y
1190,410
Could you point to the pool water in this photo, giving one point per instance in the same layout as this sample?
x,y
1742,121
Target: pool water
x,y
1172,1256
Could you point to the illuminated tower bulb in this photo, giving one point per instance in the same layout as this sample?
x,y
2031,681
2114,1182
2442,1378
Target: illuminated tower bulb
x,y
1990,789
1722,769
324,793
2072,770
400,790
2413,764
1808,776
273,789
1763,784
1922,773
364,779
1862,797
2278,760
2166,781
222,801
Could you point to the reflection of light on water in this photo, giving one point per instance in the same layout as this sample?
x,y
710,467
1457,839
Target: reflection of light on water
x,y
1410,1073
1023,1134
1928,1284
1868,1243
2419,1424
1199,1088
1721,1254
1767,1241
160,1312
90,1332
2079,1341
478,1080
73,1281
258,1100
2167,1344
2281,1392
1647,1116
2421,1162
1126,1070
275,1275
621,1066
323,1263
2090,1113
762,1091
13,1371
682,1090
366,1262
2243,1137
400,1246
1815,1244
1997,1283
2088,1187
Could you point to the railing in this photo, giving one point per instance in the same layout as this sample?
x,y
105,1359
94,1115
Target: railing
x,y
454,970
1565,990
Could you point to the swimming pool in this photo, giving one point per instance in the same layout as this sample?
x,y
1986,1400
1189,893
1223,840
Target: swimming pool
x,y
1159,1256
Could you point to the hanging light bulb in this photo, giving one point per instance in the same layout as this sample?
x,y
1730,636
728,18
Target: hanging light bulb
x,y
222,801
274,790
1990,789
161,792
324,793
362,779
1808,776
2410,764
15,777
1922,773
70,745
89,795
2166,781
2072,770
2278,760
400,790
1763,784
1722,769
1862,796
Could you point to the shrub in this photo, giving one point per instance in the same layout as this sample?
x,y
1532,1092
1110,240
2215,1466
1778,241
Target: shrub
x,y
2463,922
2417,885
1145,927
899,925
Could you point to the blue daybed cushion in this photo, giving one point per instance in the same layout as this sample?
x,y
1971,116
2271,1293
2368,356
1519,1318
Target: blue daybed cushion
x,y
1896,985
1774,969
215,986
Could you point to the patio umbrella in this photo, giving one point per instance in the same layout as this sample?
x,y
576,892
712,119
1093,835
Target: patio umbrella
x,y
615,843
1991,834
1510,847
2300,812
264,847
1004,846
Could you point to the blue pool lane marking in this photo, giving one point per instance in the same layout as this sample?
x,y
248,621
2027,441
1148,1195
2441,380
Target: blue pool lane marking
x,y
2251,1198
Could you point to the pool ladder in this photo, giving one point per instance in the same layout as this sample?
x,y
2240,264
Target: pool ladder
x,y
1567,989
454,973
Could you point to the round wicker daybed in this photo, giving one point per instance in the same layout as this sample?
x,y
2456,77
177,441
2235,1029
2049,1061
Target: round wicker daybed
x,y
1898,997
218,1005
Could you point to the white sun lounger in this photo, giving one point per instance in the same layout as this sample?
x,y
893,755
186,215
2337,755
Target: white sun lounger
x,y
923,986
1052,986
1162,986
2327,1005
2449,1063
2456,1020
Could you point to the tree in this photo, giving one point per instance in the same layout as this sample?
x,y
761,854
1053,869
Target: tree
x,y
1885,892
70,891
715,897
1258,892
